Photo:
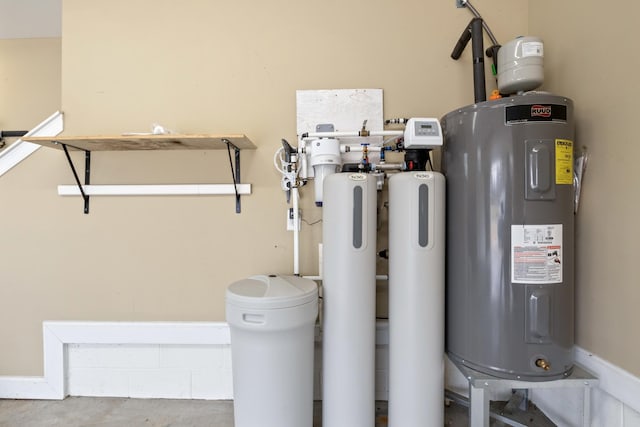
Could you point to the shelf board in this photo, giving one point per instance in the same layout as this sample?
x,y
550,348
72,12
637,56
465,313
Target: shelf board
x,y
144,142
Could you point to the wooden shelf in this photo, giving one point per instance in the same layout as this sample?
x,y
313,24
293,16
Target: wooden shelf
x,y
144,142
147,142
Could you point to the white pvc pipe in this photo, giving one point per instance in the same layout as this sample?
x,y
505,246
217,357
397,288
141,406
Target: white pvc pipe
x,y
296,232
359,148
387,166
352,134
155,190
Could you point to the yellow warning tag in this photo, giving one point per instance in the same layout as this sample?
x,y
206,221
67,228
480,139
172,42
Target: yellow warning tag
x,y
564,161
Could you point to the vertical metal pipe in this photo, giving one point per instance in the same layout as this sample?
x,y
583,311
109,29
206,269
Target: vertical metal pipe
x,y
477,46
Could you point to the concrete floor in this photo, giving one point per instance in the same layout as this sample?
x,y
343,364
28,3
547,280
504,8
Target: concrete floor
x,y
121,412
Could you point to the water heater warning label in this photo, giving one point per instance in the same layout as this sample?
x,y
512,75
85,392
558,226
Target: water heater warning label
x,y
564,161
536,254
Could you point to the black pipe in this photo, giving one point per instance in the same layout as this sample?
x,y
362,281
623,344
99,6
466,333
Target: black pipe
x,y
12,133
477,46
474,32
462,43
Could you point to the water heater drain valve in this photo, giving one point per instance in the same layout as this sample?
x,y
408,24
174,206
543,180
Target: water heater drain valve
x,y
542,363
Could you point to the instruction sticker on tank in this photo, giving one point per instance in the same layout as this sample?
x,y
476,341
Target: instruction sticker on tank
x,y
536,254
564,161
532,49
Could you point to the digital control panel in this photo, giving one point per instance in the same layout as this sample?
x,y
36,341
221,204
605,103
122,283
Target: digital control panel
x,y
422,133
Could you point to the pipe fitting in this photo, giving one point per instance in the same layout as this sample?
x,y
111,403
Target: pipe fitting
x,y
542,363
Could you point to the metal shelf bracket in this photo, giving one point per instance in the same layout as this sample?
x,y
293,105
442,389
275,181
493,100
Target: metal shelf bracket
x,y
87,174
235,173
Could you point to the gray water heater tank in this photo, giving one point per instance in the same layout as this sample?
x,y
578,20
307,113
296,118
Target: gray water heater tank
x,y
510,236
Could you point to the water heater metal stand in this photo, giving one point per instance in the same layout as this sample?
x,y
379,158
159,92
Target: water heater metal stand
x,y
481,384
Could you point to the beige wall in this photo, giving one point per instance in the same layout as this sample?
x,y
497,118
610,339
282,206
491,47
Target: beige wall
x,y
198,66
204,66
590,56
30,92
29,81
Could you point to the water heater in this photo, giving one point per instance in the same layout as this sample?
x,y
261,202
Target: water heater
x,y
416,299
510,236
349,300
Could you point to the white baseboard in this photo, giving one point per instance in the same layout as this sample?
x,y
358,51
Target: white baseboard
x,y
179,355
51,386
57,335
614,403
615,381
74,353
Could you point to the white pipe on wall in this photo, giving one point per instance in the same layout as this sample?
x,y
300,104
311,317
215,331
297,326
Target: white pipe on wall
x,y
359,148
296,231
155,190
353,134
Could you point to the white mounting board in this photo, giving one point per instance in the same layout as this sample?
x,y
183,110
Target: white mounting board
x,y
346,109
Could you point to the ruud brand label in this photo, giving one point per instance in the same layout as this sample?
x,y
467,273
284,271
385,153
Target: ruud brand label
x,y
535,113
541,111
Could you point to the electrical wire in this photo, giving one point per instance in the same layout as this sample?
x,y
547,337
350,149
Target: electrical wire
x,y
278,156
429,161
311,223
388,140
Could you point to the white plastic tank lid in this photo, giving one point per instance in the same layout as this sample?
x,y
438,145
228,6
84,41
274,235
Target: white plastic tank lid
x,y
265,292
